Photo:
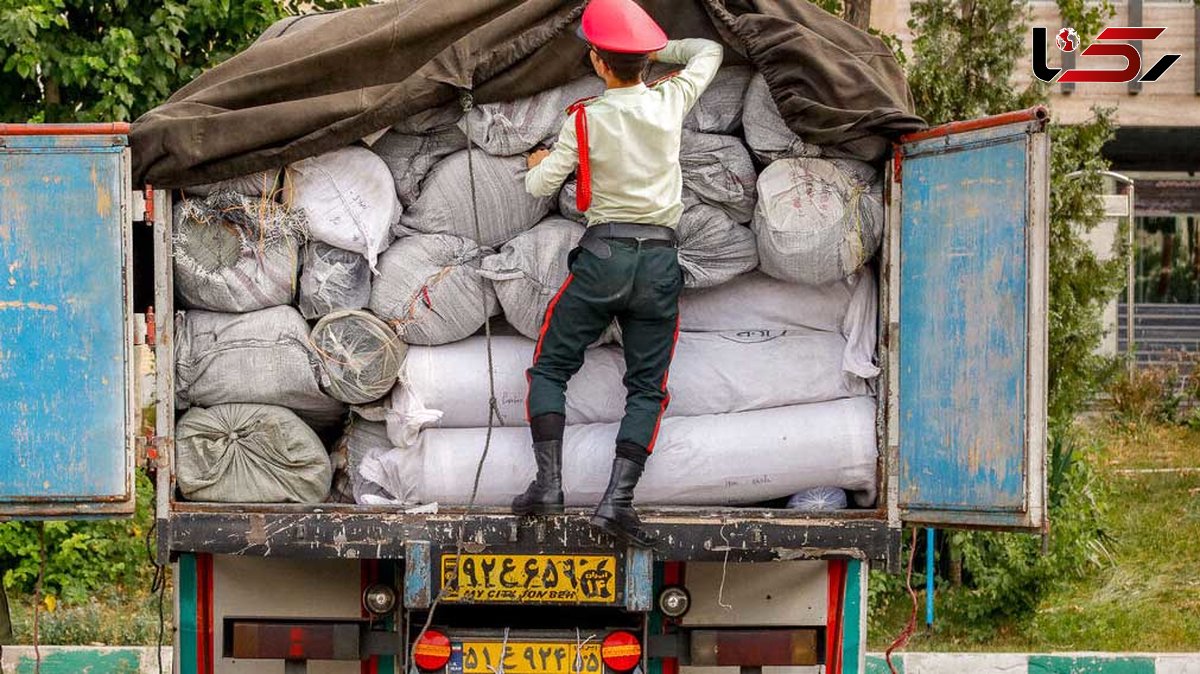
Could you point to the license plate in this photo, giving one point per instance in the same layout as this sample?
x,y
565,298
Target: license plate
x,y
530,579
530,657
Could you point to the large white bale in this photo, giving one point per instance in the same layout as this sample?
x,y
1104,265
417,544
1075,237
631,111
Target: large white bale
x,y
712,373
529,270
728,459
512,127
817,220
349,197
713,249
766,133
505,208
430,290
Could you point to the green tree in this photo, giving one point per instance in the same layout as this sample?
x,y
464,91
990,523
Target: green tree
x,y
961,67
81,60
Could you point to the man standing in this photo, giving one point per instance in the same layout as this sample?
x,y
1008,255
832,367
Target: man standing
x,y
624,146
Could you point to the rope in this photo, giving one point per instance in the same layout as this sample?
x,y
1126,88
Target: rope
x,y
468,102
910,628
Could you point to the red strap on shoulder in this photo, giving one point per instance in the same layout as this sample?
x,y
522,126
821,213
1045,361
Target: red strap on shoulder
x,y
662,79
583,183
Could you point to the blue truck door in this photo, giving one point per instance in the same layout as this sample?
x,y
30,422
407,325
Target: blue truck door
x,y
66,402
966,333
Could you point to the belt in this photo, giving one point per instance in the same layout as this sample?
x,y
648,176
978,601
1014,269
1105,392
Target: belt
x,y
596,238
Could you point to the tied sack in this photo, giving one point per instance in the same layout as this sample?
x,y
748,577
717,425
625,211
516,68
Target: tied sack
x,y
505,208
713,248
817,220
766,133
410,157
718,171
349,198
361,356
249,454
512,127
430,290
332,279
259,357
529,270
236,253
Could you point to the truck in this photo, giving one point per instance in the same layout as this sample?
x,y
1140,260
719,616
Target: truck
x,y
351,588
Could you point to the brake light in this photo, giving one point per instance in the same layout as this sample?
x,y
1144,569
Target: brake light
x,y
621,651
432,651
754,648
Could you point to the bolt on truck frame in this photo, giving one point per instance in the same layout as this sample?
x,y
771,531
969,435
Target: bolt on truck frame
x,y
346,588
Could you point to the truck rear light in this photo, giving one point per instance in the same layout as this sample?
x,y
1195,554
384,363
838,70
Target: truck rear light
x,y
754,648
432,651
621,651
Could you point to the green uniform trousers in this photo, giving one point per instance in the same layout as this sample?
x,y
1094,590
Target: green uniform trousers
x,y
639,285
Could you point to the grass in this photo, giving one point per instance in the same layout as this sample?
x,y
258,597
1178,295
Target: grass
x,y
1147,598
120,619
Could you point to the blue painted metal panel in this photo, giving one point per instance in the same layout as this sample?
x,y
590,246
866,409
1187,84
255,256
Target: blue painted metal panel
x,y
418,575
64,388
639,580
963,315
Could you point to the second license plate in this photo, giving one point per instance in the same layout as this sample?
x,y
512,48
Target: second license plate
x,y
530,657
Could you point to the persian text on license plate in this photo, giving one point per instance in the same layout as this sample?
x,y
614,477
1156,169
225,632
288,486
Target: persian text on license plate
x,y
575,579
530,658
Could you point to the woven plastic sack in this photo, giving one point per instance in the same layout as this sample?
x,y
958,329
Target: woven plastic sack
x,y
249,454
361,356
756,301
360,446
260,357
236,253
718,171
817,220
512,127
263,183
431,120
529,270
349,197
766,133
505,208
720,459
818,499
566,202
410,157
430,290
332,279
713,249
719,108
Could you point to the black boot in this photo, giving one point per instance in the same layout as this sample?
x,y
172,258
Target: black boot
x,y
544,495
615,514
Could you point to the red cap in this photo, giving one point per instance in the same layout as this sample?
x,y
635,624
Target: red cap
x,y
621,26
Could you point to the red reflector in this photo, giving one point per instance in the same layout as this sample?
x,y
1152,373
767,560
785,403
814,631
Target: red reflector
x,y
432,651
621,651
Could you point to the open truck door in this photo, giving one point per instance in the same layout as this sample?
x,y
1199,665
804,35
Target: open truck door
x,y
66,357
967,324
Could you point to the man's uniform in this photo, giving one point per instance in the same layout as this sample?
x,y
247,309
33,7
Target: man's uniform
x,y
624,146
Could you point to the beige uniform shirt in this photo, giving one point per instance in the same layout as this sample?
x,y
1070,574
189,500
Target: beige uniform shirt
x,y
633,142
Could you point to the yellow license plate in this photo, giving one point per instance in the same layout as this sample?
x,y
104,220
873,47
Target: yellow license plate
x,y
532,579
530,657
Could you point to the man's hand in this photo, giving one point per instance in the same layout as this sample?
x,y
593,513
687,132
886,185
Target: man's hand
x,y
536,157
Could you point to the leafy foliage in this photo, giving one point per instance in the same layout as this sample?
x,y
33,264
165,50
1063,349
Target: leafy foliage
x,y
78,60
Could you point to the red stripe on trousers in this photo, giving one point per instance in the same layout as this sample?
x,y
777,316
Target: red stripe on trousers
x,y
537,351
662,409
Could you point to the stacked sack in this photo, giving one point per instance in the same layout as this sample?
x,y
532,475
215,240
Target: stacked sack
x,y
419,240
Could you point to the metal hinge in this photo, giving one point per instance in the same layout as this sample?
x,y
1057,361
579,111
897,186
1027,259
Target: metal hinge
x,y
142,202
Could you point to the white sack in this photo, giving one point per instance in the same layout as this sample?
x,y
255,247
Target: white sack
x,y
731,459
349,197
363,443
253,185
719,172
410,157
512,127
766,133
712,373
430,290
713,248
258,357
236,253
249,454
332,279
505,208
817,220
756,301
360,356
529,270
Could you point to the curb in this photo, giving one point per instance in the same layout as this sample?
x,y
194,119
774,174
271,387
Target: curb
x,y
1026,663
85,659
